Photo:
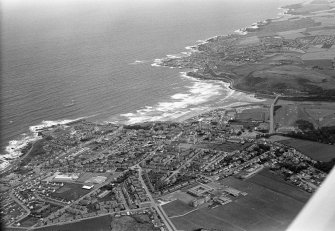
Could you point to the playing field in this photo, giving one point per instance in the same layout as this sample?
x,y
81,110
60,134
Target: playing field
x,y
70,191
176,208
271,204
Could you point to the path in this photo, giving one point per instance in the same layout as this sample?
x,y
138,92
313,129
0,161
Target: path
x,y
272,129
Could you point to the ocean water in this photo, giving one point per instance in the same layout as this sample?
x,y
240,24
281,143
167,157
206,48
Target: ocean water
x,y
62,60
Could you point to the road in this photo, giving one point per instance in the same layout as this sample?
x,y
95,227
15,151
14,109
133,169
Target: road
x,y
21,204
49,200
272,129
169,225
69,205
178,170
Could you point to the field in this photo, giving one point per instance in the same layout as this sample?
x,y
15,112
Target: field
x,y
316,113
314,6
287,115
87,175
70,191
180,195
323,55
317,151
28,221
254,114
322,63
289,79
107,223
98,224
271,204
176,208
324,115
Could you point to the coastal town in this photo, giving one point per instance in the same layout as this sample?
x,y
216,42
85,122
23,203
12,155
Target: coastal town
x,y
239,167
83,170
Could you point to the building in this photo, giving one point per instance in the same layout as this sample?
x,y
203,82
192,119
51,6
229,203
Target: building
x,y
88,186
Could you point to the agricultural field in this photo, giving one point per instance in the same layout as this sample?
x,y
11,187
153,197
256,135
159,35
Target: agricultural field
x,y
315,150
285,117
271,204
99,224
323,115
107,223
70,191
287,113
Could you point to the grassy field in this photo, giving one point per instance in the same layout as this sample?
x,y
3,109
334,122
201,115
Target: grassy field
x,y
70,191
97,224
287,115
323,115
271,204
317,151
87,175
28,221
176,208
320,114
180,195
107,223
258,114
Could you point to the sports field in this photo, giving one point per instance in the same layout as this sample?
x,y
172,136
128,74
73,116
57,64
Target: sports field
x,y
176,208
70,191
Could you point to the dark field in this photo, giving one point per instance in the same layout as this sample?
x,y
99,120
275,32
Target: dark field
x,y
107,223
70,191
271,204
28,221
96,224
317,151
177,207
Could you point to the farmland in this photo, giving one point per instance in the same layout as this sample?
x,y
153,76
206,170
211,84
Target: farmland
x,y
271,204
317,151
318,114
98,224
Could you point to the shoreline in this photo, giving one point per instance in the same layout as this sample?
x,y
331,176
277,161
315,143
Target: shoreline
x,y
7,159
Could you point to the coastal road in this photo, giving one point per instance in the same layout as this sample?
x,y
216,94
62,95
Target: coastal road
x,y
169,225
272,126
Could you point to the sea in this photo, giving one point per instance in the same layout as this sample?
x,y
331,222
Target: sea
x,y
98,59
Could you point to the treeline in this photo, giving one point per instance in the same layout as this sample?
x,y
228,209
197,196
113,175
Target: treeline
x,y
325,166
322,135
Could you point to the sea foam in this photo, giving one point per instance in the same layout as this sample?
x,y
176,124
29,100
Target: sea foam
x,y
14,148
179,104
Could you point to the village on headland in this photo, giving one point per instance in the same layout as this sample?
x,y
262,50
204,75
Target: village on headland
x,y
248,167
